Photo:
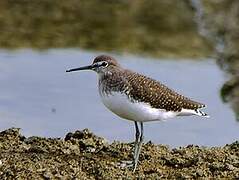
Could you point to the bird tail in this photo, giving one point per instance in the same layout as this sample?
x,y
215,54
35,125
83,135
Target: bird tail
x,y
201,113
188,112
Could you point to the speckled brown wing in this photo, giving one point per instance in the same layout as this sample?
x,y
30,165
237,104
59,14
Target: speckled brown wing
x,y
145,89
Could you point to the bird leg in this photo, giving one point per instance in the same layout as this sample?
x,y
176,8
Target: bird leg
x,y
139,137
135,149
139,144
136,142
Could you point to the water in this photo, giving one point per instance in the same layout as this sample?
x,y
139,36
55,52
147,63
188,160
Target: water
x,y
40,98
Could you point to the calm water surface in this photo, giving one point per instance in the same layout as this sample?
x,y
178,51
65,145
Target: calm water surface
x,y
39,97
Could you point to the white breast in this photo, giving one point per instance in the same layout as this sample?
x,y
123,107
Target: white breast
x,y
119,104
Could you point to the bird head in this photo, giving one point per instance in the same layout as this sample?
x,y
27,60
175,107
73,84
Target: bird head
x,y
101,64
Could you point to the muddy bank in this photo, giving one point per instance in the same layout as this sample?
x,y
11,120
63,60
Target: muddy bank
x,y
83,155
157,28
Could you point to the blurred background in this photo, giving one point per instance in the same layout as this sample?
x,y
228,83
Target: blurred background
x,y
190,45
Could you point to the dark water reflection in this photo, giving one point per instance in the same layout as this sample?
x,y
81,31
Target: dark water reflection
x,y
39,97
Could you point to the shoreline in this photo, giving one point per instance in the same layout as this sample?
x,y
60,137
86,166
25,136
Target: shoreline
x,y
83,155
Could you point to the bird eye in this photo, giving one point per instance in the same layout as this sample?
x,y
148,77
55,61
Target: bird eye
x,y
105,64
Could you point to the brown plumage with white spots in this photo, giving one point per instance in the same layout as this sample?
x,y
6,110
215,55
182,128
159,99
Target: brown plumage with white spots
x,y
141,88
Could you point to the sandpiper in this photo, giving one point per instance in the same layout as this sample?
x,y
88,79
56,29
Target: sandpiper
x,y
138,98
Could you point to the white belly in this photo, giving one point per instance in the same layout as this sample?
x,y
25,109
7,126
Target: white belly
x,y
119,104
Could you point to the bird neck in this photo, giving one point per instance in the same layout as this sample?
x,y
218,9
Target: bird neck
x,y
110,81
109,73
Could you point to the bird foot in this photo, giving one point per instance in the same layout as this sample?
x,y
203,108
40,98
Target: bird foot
x,y
126,164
